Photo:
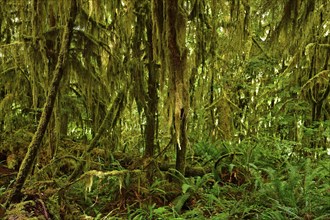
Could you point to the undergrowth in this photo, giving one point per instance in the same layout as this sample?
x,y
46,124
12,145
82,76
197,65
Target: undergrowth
x,y
251,186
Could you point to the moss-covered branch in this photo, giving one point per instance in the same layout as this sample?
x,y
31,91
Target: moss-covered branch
x,y
34,146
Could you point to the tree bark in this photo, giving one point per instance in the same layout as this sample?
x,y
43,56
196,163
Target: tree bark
x,y
152,103
177,58
34,146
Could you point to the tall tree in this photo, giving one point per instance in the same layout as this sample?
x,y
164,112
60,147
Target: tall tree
x,y
170,20
34,146
152,97
176,56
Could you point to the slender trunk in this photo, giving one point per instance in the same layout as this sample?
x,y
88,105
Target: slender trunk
x,y
152,103
211,100
34,146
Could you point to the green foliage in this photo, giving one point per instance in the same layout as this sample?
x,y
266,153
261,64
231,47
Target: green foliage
x,y
295,191
258,94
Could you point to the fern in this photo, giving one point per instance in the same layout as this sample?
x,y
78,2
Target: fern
x,y
298,191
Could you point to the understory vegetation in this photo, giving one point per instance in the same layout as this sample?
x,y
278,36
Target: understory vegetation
x,y
176,109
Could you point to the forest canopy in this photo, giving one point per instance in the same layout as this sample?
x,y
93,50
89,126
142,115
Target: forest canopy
x,y
174,109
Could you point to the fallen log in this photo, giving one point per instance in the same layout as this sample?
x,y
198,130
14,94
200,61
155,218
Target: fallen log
x,y
126,161
190,170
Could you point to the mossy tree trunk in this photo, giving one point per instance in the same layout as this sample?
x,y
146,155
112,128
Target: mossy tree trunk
x,y
152,102
34,146
145,91
177,60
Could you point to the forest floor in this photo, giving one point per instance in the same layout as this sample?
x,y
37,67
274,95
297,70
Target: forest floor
x,y
115,186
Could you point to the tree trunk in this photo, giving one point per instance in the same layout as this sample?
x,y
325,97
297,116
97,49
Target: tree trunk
x,y
152,103
177,58
34,146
